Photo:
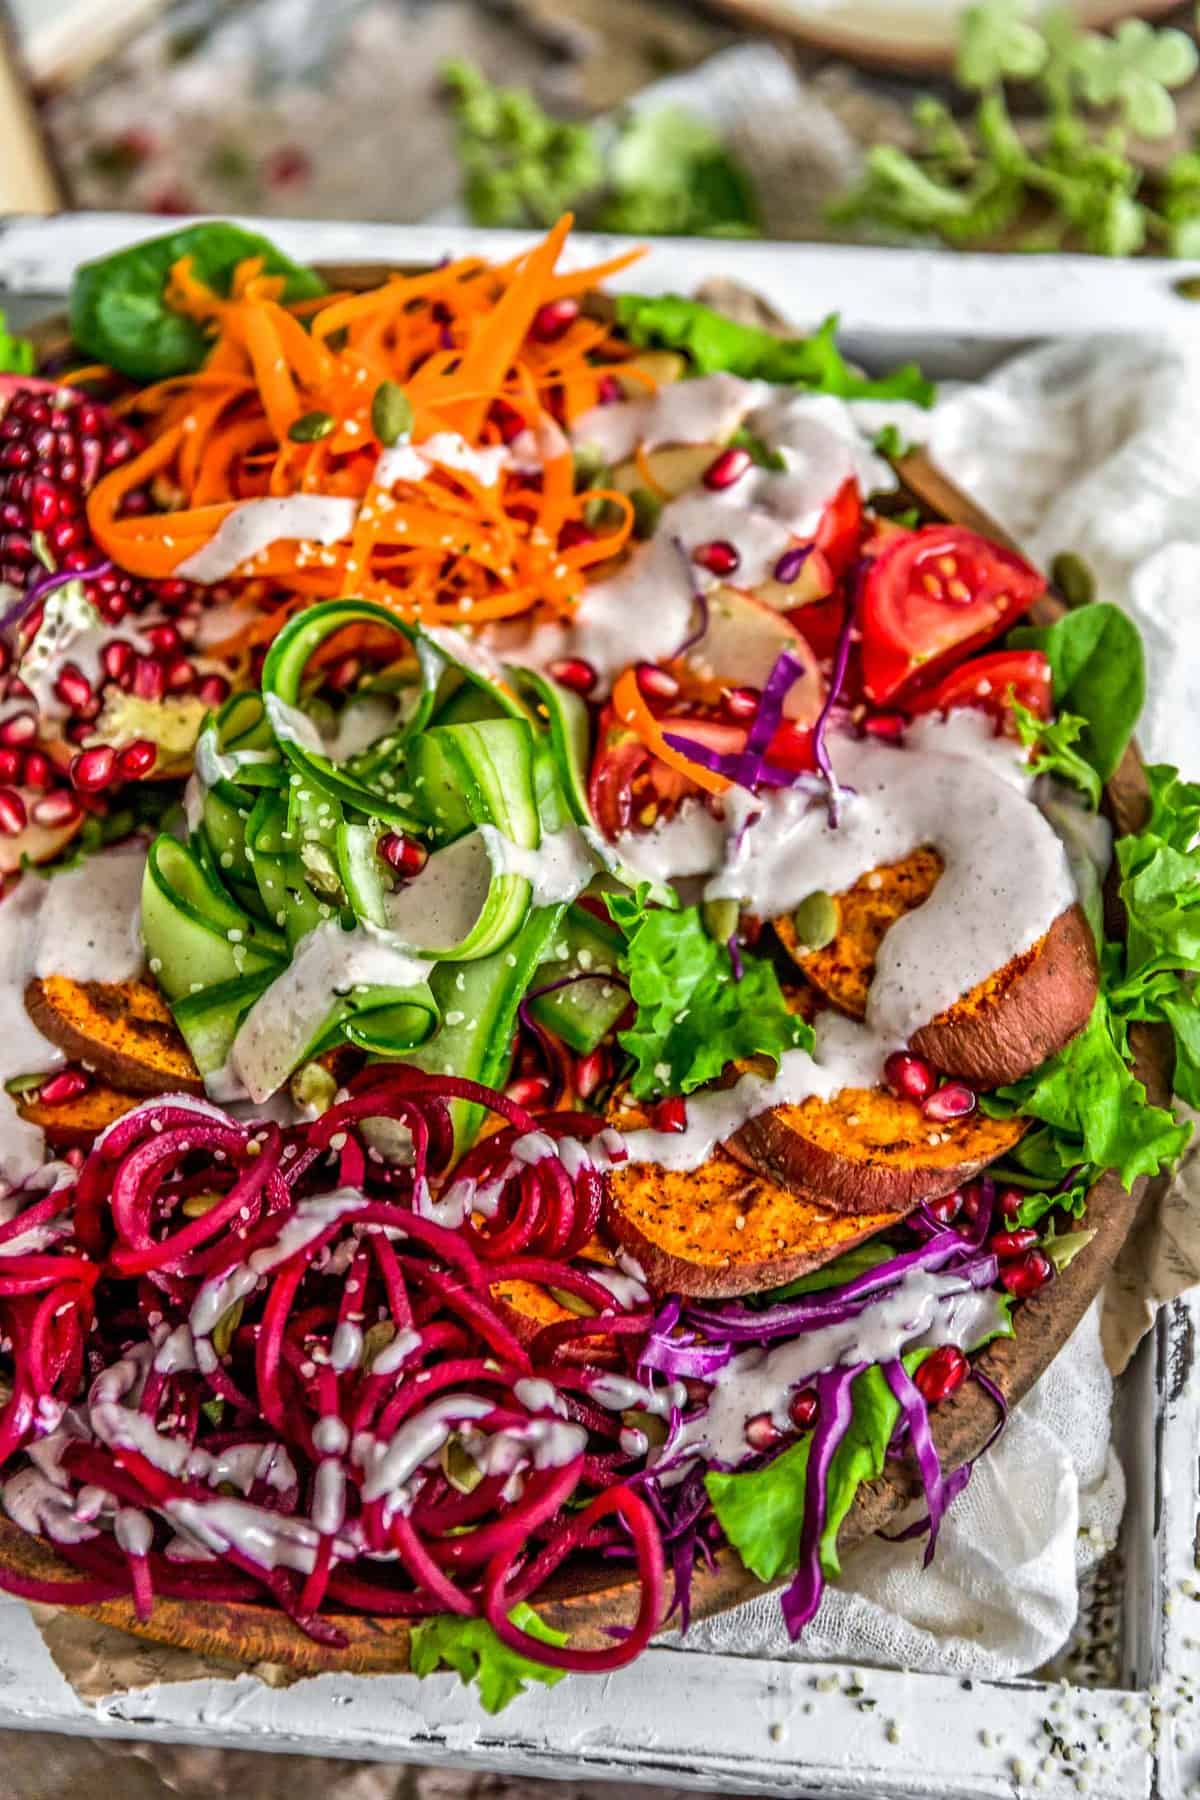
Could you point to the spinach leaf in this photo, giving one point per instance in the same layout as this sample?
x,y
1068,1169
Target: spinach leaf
x,y
715,343
118,312
1099,670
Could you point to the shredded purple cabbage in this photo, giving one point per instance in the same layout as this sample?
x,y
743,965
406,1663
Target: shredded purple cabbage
x,y
735,957
916,1416
837,680
749,766
699,600
835,1403
47,584
954,1483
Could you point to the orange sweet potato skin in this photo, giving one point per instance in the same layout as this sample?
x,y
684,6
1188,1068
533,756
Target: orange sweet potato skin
x,y
75,1124
1022,1014
866,1152
726,1229
121,1029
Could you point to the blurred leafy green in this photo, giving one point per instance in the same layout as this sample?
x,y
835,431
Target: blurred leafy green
x,y
661,173
1065,177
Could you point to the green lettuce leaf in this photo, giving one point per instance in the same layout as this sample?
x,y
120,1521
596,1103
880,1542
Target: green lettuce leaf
x,y
1095,1104
1055,741
471,1648
693,1018
1099,669
715,343
761,1510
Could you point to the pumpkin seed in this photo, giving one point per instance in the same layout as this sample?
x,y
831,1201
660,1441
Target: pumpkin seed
x,y
226,1325
647,511
1073,579
461,1471
720,919
310,427
391,413
196,1205
313,1086
816,920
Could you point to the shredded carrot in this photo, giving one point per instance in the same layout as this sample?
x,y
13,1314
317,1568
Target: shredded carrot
x,y
436,543
629,704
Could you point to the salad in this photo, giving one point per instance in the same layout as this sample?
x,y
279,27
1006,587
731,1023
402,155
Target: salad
x,y
559,950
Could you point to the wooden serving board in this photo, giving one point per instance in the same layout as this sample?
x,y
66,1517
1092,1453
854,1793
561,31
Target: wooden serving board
x,y
590,1598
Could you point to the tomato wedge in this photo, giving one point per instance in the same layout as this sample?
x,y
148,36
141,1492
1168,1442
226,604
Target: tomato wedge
x,y
933,595
840,529
989,682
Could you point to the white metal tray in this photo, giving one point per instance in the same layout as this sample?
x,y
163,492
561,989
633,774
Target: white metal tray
x,y
749,1725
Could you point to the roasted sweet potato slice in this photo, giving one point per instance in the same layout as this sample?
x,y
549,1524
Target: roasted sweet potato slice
x,y
1008,1025
76,1123
1023,1013
842,971
865,1152
122,1029
726,1229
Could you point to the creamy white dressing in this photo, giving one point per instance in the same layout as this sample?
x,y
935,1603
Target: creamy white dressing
x,y
255,525
650,598
925,1307
707,410
557,871
395,1353
446,450
440,904
90,927
72,631
954,786
326,964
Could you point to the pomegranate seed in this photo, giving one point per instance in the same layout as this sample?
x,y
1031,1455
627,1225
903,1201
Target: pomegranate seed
x,y
719,557
66,535
21,728
344,673
116,659
59,808
575,532
404,854
507,420
670,1115
762,1433
1027,1275
68,1084
656,683
574,673
12,764
164,638
43,504
179,677
909,1077
888,727
590,1071
137,759
148,683
1010,1201
12,813
608,390
73,688
74,1156
1008,1244
741,702
550,321
93,770
527,1090
38,770
802,1408
943,1370
791,562
953,1101
727,468
697,1391
972,1202
945,1209
213,690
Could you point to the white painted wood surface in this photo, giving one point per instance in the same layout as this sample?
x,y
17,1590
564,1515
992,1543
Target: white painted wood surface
x,y
744,1724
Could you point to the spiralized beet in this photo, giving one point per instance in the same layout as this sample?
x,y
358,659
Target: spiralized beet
x,y
299,1388
264,1365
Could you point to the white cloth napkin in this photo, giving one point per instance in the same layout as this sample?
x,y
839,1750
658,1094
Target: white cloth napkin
x,y
1090,448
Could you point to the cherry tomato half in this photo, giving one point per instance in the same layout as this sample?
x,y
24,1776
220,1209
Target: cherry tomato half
x,y
932,596
988,682
840,530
